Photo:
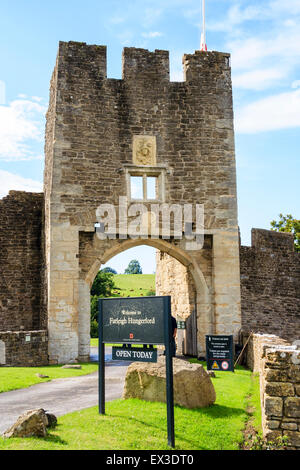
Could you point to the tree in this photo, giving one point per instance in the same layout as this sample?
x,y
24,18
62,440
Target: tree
x,y
102,287
103,284
134,267
109,270
287,223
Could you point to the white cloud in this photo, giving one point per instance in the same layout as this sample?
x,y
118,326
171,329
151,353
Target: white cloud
x,y
152,34
259,79
2,92
11,181
276,112
236,16
296,84
281,48
280,7
21,125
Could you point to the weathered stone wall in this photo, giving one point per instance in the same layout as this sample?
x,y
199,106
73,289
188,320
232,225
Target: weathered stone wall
x,y
173,278
270,285
96,119
255,350
21,262
92,125
278,365
23,313
23,348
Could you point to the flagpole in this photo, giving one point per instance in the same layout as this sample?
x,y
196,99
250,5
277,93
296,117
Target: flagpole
x,y
203,21
203,46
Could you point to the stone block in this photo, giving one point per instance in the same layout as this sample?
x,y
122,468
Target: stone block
x,y
292,407
273,406
273,424
293,438
279,389
276,375
289,426
193,387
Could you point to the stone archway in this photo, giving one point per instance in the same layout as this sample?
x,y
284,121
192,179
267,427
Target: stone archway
x,y
100,253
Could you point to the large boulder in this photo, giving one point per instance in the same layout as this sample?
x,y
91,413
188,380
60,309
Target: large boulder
x,y
192,385
31,423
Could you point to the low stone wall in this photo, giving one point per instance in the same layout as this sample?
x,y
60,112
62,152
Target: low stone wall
x,y
258,343
280,384
24,348
278,364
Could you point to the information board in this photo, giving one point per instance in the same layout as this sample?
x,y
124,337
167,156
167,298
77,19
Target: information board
x,y
220,352
133,320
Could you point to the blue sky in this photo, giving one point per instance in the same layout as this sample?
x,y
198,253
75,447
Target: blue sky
x,y
263,38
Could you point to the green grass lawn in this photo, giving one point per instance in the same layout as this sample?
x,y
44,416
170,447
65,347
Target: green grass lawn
x,y
13,378
136,424
134,285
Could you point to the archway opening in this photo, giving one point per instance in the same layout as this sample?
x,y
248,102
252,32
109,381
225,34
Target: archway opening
x,y
172,272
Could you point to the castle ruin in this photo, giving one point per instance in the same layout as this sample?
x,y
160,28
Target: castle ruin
x,y
101,133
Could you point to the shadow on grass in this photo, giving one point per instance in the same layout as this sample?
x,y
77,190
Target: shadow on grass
x,y
214,412
53,438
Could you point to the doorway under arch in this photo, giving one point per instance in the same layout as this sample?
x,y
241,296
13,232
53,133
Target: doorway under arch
x,y
95,253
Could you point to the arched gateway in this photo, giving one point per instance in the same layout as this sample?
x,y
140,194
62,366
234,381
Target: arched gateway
x,y
176,142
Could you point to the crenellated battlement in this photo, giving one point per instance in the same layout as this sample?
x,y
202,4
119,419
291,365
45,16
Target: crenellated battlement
x,y
142,64
204,64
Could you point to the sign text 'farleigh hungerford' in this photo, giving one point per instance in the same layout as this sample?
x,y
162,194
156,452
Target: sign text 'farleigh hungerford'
x,y
133,320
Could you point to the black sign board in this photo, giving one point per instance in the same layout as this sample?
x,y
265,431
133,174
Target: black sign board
x,y
134,354
133,320
220,353
137,320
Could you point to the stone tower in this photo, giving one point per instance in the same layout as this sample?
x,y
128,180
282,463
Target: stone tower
x,y
100,133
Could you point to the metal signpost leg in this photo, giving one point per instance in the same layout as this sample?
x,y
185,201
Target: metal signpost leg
x,y
101,359
169,371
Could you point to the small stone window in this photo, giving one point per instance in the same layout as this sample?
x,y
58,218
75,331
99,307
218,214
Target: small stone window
x,y
144,188
145,185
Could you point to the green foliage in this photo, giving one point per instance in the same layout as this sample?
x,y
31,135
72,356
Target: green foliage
x,y
150,292
134,285
259,443
109,270
103,284
287,223
14,378
134,267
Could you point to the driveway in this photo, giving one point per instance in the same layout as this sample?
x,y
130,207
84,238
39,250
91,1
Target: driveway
x,y
61,396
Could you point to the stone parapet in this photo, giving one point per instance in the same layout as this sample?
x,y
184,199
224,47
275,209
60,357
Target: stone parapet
x,y
278,364
270,285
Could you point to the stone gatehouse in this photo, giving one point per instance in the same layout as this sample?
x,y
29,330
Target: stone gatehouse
x,y
101,134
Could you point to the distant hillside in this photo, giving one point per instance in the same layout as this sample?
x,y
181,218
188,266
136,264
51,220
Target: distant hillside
x,y
134,285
